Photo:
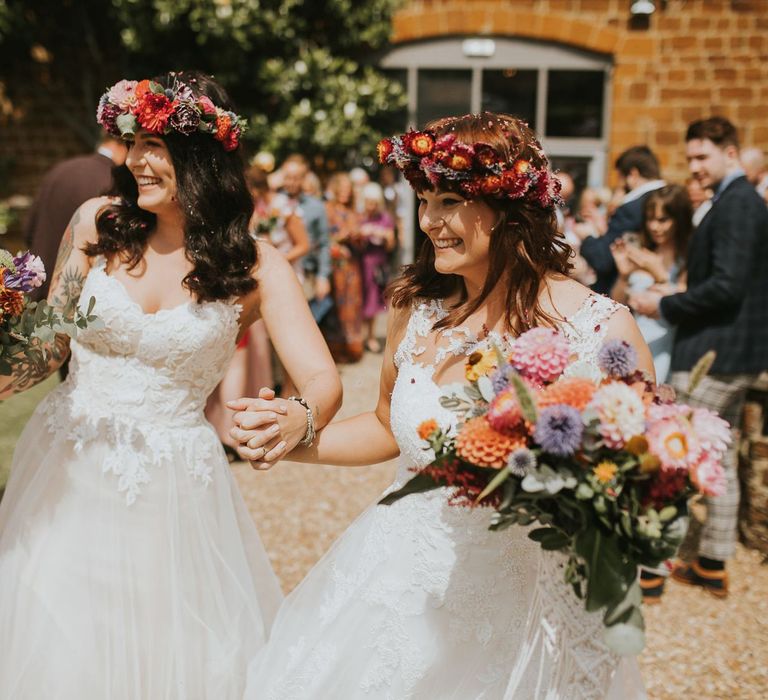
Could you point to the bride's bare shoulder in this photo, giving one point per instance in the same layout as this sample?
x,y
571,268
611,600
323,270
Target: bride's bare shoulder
x,y
563,297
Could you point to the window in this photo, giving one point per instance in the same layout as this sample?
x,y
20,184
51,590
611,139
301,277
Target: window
x,y
575,103
443,93
511,91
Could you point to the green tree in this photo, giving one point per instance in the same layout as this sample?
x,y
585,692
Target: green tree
x,y
303,72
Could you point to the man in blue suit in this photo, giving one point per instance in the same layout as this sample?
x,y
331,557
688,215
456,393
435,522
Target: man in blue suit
x,y
639,174
725,309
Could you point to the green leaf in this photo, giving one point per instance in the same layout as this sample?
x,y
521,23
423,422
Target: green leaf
x,y
497,481
609,572
420,483
527,406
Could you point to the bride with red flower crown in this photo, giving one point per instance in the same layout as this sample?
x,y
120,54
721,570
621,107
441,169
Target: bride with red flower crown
x,y
130,568
419,599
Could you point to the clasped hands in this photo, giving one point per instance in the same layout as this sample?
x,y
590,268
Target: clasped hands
x,y
267,428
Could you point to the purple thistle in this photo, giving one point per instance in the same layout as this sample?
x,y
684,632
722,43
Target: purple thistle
x,y
559,430
499,380
617,358
521,461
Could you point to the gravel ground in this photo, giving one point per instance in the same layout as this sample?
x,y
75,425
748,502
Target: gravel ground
x,y
697,646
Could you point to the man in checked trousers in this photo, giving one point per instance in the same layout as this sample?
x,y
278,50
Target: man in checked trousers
x,y
725,309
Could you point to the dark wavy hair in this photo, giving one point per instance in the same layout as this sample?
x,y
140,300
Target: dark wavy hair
x,y
676,204
525,246
212,193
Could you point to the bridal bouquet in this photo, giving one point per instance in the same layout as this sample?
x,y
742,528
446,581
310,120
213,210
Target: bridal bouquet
x,y
604,464
27,326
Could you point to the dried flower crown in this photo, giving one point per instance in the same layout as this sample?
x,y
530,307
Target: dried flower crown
x,y
476,170
130,105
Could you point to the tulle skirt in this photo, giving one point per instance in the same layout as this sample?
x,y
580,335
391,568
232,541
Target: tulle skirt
x,y
419,601
167,597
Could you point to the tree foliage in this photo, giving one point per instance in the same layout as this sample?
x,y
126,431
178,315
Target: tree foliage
x,y
303,72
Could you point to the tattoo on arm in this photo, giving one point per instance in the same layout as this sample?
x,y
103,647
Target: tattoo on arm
x,y
28,372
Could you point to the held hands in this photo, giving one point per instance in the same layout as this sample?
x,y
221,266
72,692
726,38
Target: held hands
x,y
267,428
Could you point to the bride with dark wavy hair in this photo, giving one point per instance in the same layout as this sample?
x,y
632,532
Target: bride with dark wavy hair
x,y
129,565
419,599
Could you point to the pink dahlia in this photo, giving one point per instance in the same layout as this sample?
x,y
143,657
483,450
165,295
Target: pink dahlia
x,y
713,432
123,94
540,355
709,476
621,413
674,442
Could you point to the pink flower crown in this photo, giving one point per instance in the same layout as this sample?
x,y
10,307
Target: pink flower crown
x,y
476,170
130,105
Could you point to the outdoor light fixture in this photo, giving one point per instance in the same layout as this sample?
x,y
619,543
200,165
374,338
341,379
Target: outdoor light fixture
x,y
478,48
642,7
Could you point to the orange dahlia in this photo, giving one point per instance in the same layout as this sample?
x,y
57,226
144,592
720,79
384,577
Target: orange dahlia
x,y
11,302
478,443
427,428
571,391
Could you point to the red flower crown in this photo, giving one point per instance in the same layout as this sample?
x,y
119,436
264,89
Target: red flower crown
x,y
476,170
129,106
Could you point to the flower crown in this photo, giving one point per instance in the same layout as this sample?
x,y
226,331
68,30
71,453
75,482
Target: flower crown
x,y
130,105
472,170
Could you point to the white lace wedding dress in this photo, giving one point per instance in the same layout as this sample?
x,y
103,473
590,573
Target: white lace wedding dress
x,y
130,568
420,600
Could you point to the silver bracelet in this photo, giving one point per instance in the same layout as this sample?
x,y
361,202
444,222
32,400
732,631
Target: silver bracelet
x,y
309,436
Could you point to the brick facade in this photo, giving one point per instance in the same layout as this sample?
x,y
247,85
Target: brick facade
x,y
697,58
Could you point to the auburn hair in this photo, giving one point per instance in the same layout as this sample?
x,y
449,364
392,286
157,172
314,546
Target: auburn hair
x,y
525,246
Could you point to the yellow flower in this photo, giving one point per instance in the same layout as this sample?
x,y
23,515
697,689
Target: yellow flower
x,y
480,363
605,471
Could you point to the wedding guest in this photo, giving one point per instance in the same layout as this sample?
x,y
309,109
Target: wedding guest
x,y
701,199
658,261
63,189
724,309
638,173
755,170
377,239
316,264
312,185
360,178
343,328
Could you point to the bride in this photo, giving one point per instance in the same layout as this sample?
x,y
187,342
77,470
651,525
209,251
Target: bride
x,y
129,565
419,599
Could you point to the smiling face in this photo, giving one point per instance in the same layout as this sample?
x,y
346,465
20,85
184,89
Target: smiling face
x,y
460,230
708,162
150,164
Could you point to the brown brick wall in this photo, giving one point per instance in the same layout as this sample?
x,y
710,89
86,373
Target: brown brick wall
x,y
697,58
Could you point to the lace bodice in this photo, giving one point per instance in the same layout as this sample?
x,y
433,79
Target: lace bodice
x,y
139,376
